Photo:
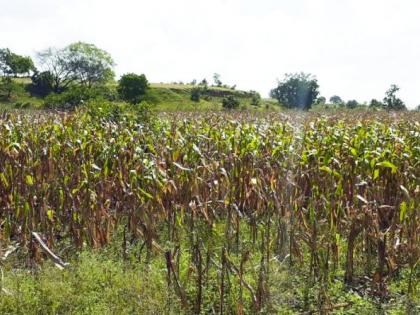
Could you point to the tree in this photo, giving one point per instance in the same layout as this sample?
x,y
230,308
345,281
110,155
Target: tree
x,y
203,82
89,63
321,100
132,87
8,86
230,102
216,79
374,103
255,98
79,62
336,100
196,94
14,65
352,104
42,83
297,90
54,61
391,101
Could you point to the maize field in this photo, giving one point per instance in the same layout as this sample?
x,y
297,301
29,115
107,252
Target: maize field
x,y
221,199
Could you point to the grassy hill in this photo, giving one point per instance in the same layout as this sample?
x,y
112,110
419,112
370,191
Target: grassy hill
x,y
165,97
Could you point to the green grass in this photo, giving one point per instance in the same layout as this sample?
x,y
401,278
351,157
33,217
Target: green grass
x,y
165,97
21,97
94,284
101,282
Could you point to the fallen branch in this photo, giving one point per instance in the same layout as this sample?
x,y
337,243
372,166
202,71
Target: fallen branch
x,y
10,250
57,260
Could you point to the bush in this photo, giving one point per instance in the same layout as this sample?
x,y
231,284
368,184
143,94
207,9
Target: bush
x,y
77,95
22,105
352,104
195,94
132,87
230,102
8,88
299,90
42,84
255,98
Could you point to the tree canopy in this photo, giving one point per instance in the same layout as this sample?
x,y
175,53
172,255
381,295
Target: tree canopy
x,y
79,62
298,90
12,64
391,101
131,87
336,100
352,104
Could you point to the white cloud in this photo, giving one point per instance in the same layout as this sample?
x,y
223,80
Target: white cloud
x,y
357,48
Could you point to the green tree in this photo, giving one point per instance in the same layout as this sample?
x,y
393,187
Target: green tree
x,y
80,63
132,87
14,65
42,84
230,102
204,82
352,104
321,100
54,61
298,90
374,103
216,79
196,94
336,100
255,98
7,87
391,101
89,64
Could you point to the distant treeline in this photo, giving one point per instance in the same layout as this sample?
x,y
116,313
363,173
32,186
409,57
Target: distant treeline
x,y
81,71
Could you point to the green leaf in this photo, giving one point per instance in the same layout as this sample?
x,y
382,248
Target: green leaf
x,y
375,173
145,193
325,169
50,214
4,180
29,180
403,211
388,164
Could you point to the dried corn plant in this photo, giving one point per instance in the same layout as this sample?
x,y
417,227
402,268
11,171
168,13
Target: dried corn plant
x,y
220,198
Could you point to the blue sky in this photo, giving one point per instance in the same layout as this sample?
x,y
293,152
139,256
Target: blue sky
x,y
356,48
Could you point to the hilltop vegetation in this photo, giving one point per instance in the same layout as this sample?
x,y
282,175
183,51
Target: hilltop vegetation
x,y
80,72
163,97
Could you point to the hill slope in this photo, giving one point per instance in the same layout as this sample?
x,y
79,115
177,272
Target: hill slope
x,y
166,97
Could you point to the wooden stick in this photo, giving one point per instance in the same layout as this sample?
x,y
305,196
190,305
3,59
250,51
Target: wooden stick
x,y
57,260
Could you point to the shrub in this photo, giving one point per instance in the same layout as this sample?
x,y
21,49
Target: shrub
x,y
255,98
77,95
42,84
352,104
132,87
230,102
195,94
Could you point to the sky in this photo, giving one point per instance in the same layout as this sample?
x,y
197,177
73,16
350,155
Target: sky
x,y
355,48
